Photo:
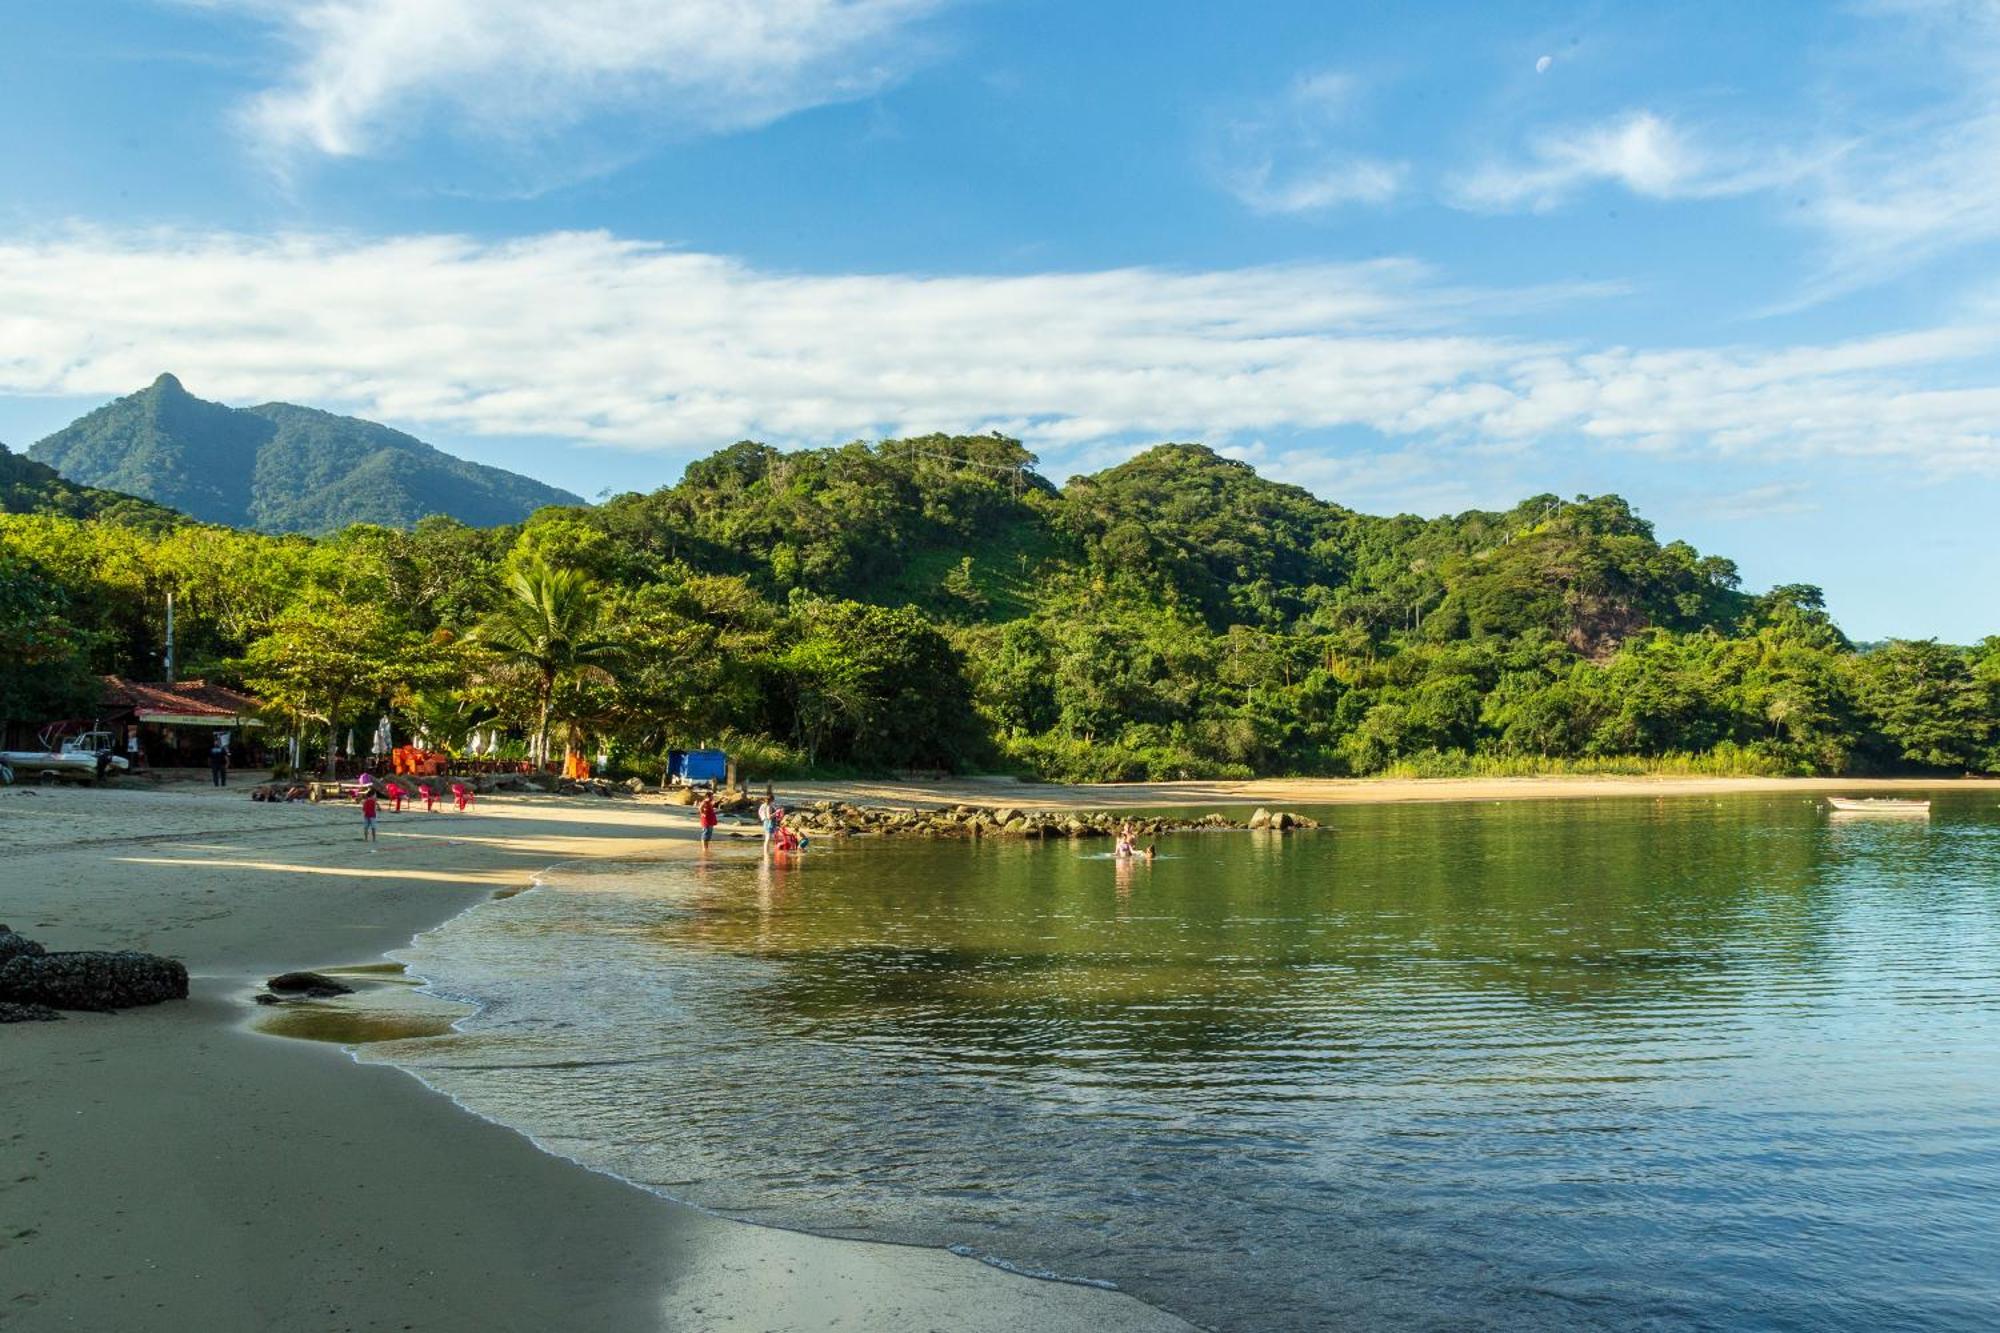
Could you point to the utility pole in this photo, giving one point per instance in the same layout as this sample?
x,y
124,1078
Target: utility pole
x,y
170,638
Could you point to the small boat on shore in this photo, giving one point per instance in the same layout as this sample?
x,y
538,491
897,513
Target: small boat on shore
x,y
1878,805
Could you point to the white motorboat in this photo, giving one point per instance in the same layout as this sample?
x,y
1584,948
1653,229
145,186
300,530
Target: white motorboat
x,y
79,758
1878,805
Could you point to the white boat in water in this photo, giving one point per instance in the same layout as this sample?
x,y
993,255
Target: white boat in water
x,y
1878,805
79,758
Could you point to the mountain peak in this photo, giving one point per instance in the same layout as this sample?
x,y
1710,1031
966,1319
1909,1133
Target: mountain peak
x,y
279,467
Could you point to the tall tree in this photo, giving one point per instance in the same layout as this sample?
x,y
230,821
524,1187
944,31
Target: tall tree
x,y
324,658
44,655
550,622
1927,702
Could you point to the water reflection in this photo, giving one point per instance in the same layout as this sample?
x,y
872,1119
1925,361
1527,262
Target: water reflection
x,y
1685,1063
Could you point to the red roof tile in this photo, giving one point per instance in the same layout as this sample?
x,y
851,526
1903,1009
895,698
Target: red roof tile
x,y
187,698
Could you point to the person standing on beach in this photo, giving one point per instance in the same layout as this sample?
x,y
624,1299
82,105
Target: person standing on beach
x,y
706,814
368,819
767,816
218,763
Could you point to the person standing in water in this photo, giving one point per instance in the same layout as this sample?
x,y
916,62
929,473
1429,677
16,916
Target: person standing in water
x,y
767,816
707,816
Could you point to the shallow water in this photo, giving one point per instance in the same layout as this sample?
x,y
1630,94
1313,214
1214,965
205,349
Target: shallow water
x,y
1686,1063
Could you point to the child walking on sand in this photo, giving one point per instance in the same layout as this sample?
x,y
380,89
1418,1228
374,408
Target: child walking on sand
x,y
368,819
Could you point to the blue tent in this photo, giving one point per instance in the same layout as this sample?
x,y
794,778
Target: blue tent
x,y
691,766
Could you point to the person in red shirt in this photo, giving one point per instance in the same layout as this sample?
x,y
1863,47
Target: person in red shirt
x,y
368,817
707,815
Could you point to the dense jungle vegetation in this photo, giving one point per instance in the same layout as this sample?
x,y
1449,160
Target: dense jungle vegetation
x,y
934,603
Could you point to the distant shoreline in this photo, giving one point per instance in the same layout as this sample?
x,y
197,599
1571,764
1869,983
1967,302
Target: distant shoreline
x,y
1291,792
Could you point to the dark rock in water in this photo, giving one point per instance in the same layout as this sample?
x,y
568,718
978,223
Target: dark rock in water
x,y
17,946
26,1013
96,981
308,984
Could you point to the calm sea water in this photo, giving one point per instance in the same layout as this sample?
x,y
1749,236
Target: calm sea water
x,y
1715,1064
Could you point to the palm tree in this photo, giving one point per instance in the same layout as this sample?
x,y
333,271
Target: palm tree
x,y
552,624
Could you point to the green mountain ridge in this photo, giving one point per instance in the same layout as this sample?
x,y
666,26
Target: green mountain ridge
x,y
28,487
280,468
937,603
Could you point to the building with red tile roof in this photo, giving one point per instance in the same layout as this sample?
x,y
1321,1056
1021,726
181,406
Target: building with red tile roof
x,y
167,725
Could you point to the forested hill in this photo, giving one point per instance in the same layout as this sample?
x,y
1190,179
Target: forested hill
x,y
280,468
28,487
962,528
935,602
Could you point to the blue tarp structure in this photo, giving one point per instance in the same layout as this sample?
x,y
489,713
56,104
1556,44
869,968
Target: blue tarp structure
x,y
689,766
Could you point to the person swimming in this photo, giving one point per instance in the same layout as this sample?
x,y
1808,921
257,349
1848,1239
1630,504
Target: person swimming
x,y
1129,849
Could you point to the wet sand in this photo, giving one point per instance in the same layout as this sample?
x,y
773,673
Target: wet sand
x,y
174,1169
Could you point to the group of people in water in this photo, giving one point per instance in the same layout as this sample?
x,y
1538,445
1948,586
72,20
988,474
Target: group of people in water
x,y
1128,843
780,837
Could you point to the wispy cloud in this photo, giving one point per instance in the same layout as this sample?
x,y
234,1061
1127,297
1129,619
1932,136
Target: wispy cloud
x,y
1294,154
518,69
1891,165
635,345
1906,188
1771,500
1640,151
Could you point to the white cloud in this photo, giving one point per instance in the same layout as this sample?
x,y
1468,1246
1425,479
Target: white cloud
x,y
518,68
1774,499
589,337
1891,165
1905,188
1640,151
1290,155
1264,189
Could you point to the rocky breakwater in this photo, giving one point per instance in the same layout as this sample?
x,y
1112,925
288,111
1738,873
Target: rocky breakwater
x,y
36,984
841,819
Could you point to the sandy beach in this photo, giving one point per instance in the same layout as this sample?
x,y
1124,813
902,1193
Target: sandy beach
x,y
175,1168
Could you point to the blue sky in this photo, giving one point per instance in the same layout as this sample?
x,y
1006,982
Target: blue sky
x,y
1734,262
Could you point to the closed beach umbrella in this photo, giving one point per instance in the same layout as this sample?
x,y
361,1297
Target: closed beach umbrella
x,y
385,738
350,743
